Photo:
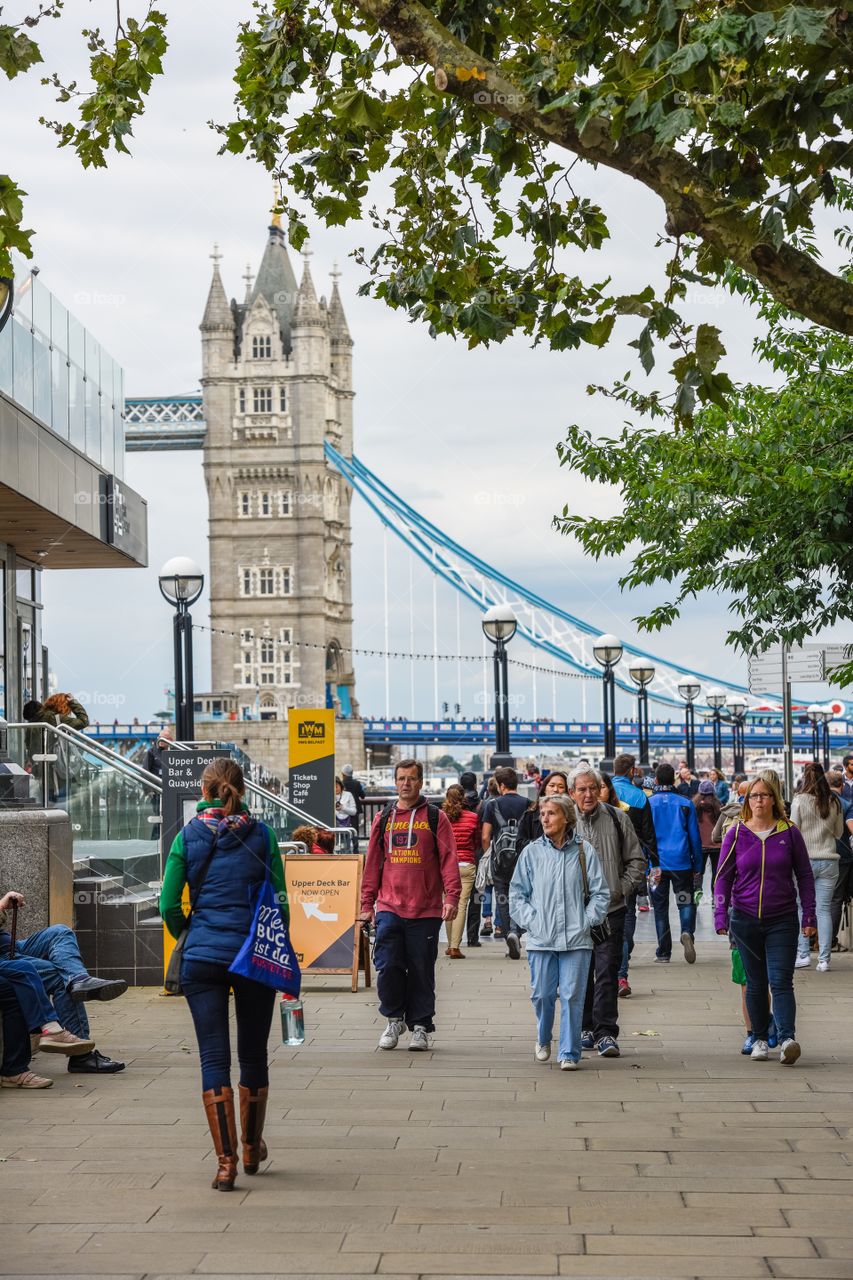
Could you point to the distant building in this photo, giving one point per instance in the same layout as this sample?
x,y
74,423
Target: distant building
x,y
63,500
277,382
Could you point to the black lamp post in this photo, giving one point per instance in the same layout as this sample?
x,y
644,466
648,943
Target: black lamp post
x,y
500,625
642,672
715,697
736,707
181,583
815,714
689,690
608,651
828,716
820,717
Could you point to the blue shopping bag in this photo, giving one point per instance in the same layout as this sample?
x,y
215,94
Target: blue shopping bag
x,y
267,955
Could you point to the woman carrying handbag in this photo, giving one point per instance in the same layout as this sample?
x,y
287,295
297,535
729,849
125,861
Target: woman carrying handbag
x,y
225,856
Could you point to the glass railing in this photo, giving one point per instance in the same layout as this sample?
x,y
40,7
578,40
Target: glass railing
x,y
112,803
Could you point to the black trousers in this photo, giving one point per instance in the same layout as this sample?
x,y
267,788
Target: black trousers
x,y
404,956
600,1010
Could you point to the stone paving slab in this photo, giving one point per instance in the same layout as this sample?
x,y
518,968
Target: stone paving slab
x,y
680,1160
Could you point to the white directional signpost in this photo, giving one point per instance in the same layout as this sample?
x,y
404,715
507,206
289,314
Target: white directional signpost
x,y
804,664
778,666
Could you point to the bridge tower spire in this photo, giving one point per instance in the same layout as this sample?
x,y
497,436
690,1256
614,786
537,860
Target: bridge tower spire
x,y
280,539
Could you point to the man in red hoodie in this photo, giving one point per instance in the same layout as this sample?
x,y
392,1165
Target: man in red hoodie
x,y
411,880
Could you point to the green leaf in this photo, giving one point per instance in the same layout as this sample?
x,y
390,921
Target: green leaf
x,y
17,51
709,348
690,55
798,23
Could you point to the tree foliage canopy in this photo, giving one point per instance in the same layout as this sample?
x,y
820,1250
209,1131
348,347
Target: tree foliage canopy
x,y
756,501
735,113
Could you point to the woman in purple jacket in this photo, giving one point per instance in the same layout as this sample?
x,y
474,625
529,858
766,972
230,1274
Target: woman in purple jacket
x,y
762,856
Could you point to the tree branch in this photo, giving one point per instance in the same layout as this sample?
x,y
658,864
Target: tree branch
x,y
692,204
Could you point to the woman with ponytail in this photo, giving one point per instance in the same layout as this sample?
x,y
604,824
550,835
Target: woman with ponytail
x,y
223,854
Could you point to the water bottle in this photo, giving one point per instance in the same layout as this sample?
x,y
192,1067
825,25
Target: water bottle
x,y
292,1020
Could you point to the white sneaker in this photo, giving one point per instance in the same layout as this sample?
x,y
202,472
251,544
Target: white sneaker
x,y
543,1052
566,1064
823,966
391,1035
420,1041
759,1051
802,962
789,1053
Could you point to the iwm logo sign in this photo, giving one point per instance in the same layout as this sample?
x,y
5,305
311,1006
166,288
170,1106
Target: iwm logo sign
x,y
311,731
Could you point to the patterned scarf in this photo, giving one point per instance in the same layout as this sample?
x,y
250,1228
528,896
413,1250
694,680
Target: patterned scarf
x,y
216,818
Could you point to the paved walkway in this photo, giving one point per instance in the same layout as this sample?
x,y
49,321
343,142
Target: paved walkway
x,y
681,1159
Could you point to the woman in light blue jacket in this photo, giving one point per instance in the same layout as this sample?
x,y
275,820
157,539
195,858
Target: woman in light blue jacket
x,y
546,897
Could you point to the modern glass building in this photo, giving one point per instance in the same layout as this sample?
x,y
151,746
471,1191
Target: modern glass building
x,y
63,501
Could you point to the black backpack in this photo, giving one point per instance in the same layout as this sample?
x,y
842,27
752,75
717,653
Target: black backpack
x,y
505,852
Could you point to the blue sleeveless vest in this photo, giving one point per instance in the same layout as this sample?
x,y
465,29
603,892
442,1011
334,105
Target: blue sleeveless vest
x,y
223,912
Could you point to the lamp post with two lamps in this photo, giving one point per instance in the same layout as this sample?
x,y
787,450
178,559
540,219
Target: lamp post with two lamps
x,y
689,690
642,672
499,626
181,583
828,717
715,697
736,707
820,717
608,651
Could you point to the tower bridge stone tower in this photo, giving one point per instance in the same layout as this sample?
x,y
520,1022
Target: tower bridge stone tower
x,y
276,382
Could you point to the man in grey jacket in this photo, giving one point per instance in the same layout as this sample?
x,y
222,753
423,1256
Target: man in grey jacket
x,y
611,833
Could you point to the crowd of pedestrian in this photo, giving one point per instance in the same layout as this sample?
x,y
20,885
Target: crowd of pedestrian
x,y
567,864
568,870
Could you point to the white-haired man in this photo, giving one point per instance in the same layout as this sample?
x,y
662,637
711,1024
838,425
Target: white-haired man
x,y
611,833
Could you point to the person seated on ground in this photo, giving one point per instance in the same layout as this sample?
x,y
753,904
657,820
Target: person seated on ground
x,y
30,1025
55,955
15,1060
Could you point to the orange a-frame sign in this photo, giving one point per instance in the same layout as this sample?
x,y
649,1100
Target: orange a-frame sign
x,y
324,897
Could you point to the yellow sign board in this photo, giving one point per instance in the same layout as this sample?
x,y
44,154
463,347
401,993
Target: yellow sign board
x,y
311,762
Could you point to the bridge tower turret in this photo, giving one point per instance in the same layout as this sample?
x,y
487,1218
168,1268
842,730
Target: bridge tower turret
x,y
276,380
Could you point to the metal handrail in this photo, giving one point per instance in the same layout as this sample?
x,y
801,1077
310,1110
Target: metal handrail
x,y
92,747
85,742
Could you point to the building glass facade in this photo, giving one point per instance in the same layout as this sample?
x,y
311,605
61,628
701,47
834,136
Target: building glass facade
x,y
55,369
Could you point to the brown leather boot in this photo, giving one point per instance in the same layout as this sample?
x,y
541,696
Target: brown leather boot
x,y
219,1108
253,1110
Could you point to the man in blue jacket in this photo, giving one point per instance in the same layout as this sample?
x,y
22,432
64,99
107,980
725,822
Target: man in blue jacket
x,y
679,855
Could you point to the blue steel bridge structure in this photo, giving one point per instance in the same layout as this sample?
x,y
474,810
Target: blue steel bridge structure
x,y
763,732
170,423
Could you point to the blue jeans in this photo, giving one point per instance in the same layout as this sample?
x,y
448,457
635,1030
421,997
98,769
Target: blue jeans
x,y
404,955
682,886
768,949
16,1033
23,978
825,879
566,971
56,955
206,987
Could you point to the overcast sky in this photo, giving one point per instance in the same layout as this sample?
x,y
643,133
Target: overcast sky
x,y
468,438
